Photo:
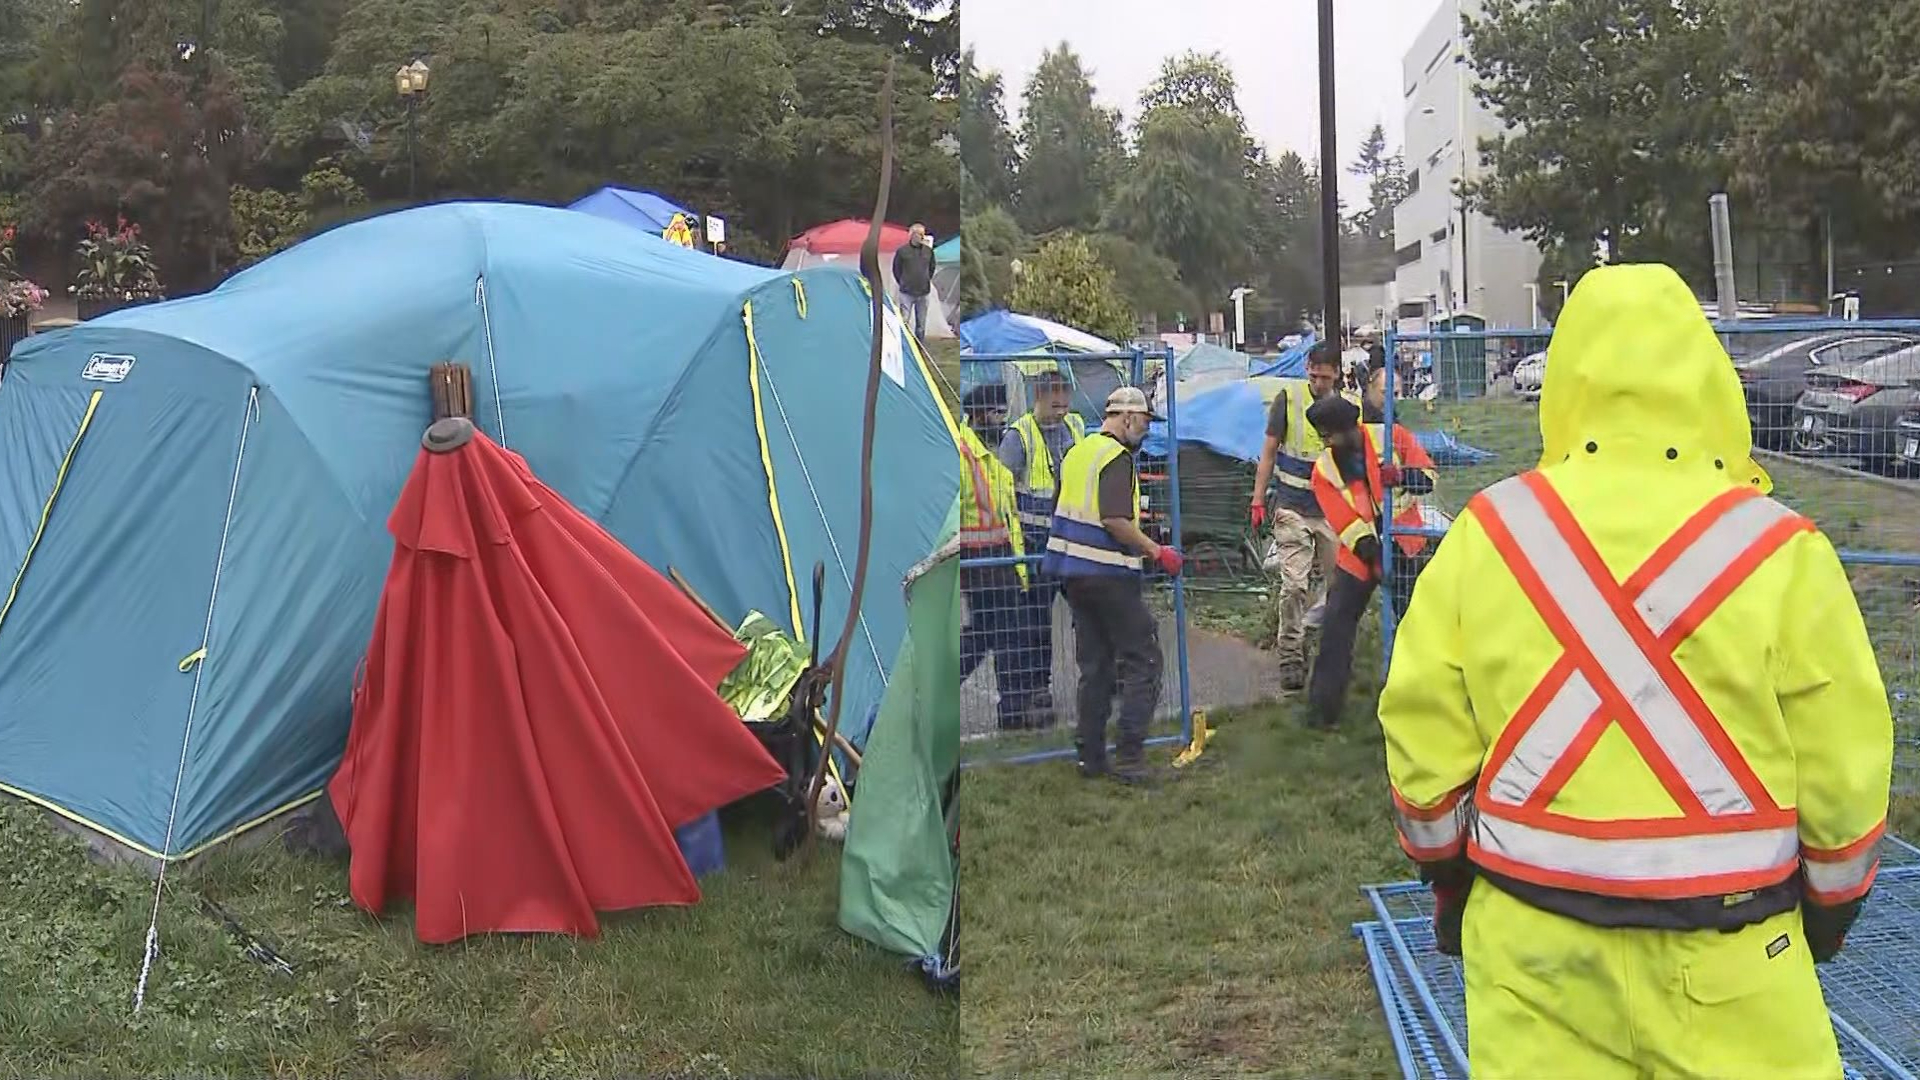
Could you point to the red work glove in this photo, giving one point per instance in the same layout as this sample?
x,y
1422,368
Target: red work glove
x,y
1257,513
1389,475
1171,561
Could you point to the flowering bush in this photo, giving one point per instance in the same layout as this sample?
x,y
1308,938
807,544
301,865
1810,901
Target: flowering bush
x,y
19,297
115,263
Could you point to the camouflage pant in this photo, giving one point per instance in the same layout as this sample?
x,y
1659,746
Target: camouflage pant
x,y
1304,545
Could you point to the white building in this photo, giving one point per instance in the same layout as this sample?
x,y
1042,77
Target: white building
x,y
1443,269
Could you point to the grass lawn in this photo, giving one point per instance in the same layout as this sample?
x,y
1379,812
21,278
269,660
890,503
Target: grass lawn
x,y
1201,929
756,980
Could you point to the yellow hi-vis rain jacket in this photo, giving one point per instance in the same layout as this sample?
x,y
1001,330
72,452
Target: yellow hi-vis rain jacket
x,y
1634,683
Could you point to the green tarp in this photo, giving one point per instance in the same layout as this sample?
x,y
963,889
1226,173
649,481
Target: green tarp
x,y
898,874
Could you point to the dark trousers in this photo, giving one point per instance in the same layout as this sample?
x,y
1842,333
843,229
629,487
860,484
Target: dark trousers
x,y
997,627
1037,658
1347,600
1118,644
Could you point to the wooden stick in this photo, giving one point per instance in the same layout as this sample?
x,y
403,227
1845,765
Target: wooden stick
x,y
840,741
687,588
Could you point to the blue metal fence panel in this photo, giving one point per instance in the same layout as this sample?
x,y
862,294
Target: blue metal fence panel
x,y
1176,692
1872,988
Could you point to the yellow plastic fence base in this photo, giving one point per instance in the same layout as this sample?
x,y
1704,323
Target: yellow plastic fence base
x,y
1198,745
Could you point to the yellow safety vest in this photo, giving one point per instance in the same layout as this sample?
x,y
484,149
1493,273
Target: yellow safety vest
x,y
1293,464
1080,544
1035,495
987,519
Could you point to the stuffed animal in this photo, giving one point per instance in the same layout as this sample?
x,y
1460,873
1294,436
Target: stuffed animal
x,y
831,810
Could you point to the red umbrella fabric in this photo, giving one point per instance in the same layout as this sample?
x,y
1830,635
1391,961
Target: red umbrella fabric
x,y
538,712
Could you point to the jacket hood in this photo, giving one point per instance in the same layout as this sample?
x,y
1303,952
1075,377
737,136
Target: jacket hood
x,y
1635,366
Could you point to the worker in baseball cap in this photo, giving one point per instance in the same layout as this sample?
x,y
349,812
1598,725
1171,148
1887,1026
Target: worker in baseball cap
x,y
1637,738
1099,552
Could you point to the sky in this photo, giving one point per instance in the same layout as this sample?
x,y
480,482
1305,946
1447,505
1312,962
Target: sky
x,y
1272,45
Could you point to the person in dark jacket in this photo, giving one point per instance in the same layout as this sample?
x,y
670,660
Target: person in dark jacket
x,y
913,276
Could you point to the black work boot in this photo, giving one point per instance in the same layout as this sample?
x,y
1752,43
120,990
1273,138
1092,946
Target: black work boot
x,y
1131,768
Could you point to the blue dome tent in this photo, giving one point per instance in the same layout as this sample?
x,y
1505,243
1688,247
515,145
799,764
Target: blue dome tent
x,y
194,503
641,209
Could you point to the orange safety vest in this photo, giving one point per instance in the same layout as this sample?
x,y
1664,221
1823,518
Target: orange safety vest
x,y
1617,666
1352,506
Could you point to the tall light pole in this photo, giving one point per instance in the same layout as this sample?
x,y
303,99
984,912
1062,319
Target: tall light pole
x,y
1329,181
1239,297
411,82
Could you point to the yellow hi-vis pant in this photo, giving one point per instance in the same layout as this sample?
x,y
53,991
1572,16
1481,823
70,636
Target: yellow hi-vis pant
x,y
1551,997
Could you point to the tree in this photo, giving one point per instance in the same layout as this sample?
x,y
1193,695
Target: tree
x,y
1187,194
1066,282
987,150
1072,147
1146,281
164,153
1825,119
1386,176
1286,239
1615,109
989,242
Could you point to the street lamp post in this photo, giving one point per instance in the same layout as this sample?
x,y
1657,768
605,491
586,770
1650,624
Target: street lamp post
x,y
411,82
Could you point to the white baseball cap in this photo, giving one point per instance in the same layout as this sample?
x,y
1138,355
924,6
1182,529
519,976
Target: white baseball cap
x,y
1127,399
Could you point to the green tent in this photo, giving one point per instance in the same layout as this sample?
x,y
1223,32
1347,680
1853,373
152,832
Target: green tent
x,y
899,873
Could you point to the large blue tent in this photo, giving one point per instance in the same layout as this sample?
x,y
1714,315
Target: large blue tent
x,y
641,209
194,498
1009,333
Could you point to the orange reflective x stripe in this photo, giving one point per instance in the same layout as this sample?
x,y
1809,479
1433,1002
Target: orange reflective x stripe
x,y
1618,667
986,529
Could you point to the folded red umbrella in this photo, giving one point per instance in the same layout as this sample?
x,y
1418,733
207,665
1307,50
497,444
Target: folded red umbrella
x,y
538,712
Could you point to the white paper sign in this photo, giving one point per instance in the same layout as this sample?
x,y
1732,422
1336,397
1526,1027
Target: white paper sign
x,y
716,230
893,350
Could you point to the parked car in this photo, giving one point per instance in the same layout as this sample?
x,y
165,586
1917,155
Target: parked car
x,y
1907,440
1530,374
1774,378
1854,410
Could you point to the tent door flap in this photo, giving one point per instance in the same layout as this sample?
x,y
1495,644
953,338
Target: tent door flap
x,y
46,508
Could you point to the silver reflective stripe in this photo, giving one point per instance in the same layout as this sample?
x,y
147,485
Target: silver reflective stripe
x,y
1639,858
1091,554
1705,560
1837,878
1437,834
1543,744
1040,521
1580,601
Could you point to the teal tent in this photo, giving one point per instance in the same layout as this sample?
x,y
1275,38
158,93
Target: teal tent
x,y
947,253
899,875
194,498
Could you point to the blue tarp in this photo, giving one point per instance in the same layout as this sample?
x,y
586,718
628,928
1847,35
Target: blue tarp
x,y
641,209
1007,333
256,437
1232,420
1291,364
1229,420
948,252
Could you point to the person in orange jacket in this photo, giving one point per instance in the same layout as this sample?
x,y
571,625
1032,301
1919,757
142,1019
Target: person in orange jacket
x,y
1637,737
1350,483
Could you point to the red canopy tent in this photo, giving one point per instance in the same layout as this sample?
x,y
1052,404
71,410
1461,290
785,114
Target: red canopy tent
x,y
844,237
538,712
